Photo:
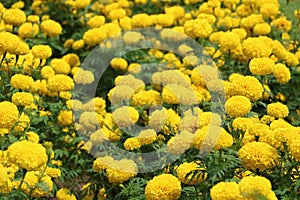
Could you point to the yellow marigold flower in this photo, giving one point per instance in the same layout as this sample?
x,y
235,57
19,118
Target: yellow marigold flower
x,y
22,82
267,119
14,16
53,172
41,51
60,66
181,142
122,170
163,187
131,144
269,10
248,86
250,21
171,77
47,72
258,155
277,110
225,191
83,77
89,120
96,104
103,163
178,94
130,81
291,59
237,106
256,48
33,137
119,64
8,42
282,23
228,41
65,194
72,59
9,114
27,155
23,122
41,186
146,98
80,4
198,28
5,181
68,43
132,37
74,104
141,20
175,11
60,83
282,73
255,187
185,168
213,137
147,136
65,118
99,137
22,98
117,14
294,148
33,18
94,36
262,29
18,4
22,48
28,30
96,21
51,28
261,66
259,129
125,116
78,44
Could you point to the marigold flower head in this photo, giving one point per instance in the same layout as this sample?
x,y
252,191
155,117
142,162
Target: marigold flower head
x,y
282,73
193,168
60,66
181,142
96,21
22,98
131,144
256,48
258,155
261,66
51,28
147,136
60,82
94,36
65,118
8,42
41,51
14,16
121,171
65,194
225,191
163,187
178,94
125,116
84,77
42,185
72,59
130,81
28,30
141,20
28,155
99,137
9,114
212,137
282,23
5,182
119,64
237,106
198,28
47,72
229,40
277,110
255,187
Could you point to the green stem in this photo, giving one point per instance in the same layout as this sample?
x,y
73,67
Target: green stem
x,y
196,192
24,171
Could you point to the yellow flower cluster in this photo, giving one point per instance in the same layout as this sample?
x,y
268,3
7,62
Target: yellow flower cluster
x,y
163,187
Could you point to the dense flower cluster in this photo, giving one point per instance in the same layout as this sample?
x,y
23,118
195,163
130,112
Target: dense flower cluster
x,y
159,120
